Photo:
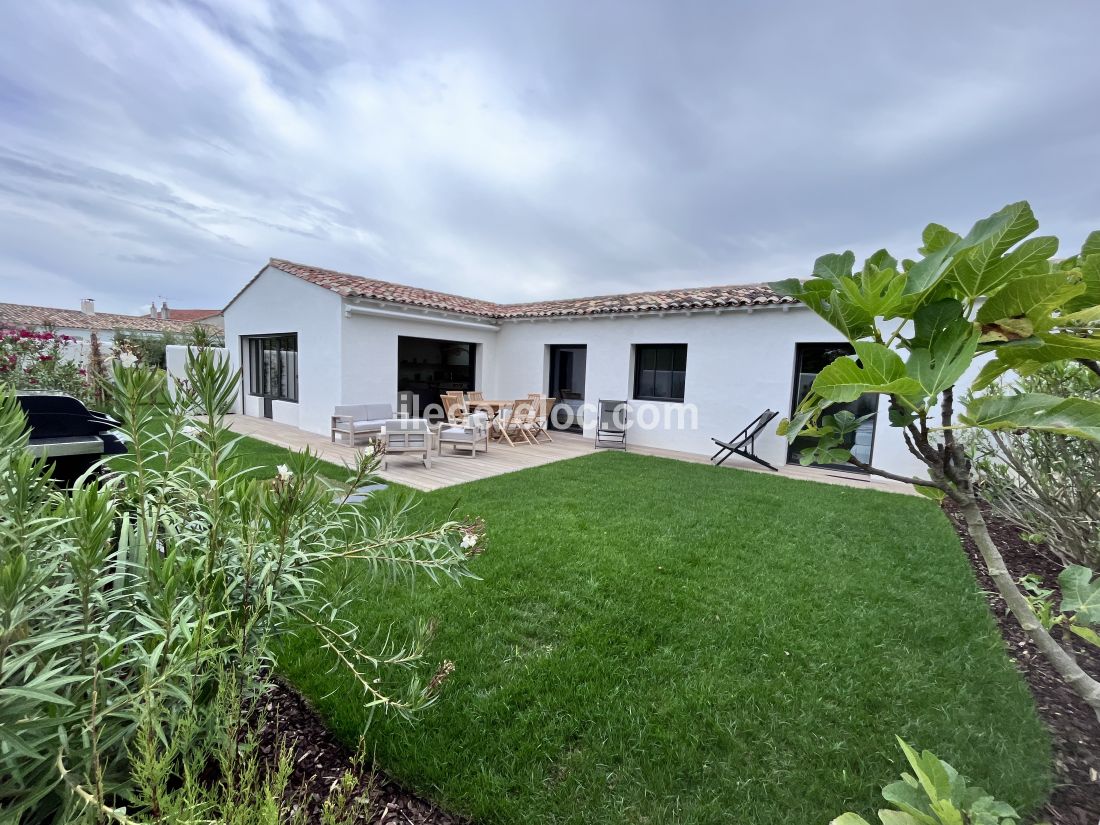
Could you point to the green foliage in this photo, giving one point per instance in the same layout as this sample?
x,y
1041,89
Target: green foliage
x,y
126,603
42,360
994,293
935,794
1045,482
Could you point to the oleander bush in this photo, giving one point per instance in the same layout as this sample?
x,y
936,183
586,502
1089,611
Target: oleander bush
x,y
42,360
1045,483
130,603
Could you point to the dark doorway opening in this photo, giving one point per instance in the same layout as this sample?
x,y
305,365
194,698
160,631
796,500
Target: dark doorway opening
x,y
567,371
428,367
809,360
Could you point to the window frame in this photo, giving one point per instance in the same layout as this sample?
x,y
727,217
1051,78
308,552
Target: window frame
x,y
678,353
279,346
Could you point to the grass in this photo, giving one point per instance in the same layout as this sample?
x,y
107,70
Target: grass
x,y
661,642
260,457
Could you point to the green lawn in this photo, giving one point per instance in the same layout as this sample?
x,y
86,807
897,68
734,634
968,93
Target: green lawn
x,y
661,642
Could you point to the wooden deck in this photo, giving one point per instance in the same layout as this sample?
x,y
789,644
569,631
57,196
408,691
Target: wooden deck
x,y
449,469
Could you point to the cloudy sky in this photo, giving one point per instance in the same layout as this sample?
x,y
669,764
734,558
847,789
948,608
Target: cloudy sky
x,y
520,150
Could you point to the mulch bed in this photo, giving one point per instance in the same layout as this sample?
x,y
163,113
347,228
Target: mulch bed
x,y
1073,726
321,762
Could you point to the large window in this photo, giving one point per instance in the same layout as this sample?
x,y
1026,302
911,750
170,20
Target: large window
x,y
660,371
273,367
428,367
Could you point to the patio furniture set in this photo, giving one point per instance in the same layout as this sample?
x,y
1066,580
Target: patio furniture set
x,y
470,422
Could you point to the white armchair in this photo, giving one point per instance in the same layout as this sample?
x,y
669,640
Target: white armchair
x,y
407,435
469,435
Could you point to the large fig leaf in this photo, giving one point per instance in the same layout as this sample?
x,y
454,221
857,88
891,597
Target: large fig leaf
x,y
880,370
1033,297
1080,594
824,298
936,237
987,241
834,265
1078,417
943,346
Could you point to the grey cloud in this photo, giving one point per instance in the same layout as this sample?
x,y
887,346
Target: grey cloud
x,y
523,150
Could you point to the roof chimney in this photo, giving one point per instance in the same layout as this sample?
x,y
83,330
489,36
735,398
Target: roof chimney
x,y
87,306
152,309
164,310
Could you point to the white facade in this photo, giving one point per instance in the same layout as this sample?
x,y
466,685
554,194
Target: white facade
x,y
739,361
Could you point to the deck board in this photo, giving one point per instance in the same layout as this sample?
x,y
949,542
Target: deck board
x,y
449,469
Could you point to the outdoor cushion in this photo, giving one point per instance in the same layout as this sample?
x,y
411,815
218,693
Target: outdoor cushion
x,y
370,423
378,412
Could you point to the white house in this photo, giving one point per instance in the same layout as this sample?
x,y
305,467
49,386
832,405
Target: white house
x,y
692,363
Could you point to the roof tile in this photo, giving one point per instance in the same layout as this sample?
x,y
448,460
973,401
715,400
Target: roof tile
x,y
710,297
23,315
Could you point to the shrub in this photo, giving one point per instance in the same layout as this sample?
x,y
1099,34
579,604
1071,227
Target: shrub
x,y
34,360
1044,482
935,794
127,604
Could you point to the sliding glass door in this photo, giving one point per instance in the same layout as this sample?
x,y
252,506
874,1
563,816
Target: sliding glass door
x,y
567,370
810,359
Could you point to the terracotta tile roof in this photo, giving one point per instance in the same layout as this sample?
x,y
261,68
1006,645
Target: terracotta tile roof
x,y
192,315
23,315
709,297
356,286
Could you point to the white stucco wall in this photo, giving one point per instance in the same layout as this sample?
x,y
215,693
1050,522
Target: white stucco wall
x,y
280,303
738,362
175,363
738,365
369,347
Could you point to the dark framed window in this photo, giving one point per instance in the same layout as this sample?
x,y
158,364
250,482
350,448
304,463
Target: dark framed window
x,y
660,371
273,367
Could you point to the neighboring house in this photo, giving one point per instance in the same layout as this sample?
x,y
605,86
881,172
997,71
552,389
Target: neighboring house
x,y
80,323
207,317
693,363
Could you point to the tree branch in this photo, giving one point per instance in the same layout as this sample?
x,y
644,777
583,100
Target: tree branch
x,y
1063,662
920,482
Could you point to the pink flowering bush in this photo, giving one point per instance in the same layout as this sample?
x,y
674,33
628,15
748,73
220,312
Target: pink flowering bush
x,y
31,360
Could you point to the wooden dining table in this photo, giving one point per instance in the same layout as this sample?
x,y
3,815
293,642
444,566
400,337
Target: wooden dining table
x,y
489,406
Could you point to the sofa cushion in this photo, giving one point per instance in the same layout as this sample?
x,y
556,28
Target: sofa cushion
x,y
351,411
378,411
370,424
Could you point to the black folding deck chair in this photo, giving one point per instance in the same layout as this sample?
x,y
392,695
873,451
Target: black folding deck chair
x,y
611,425
744,443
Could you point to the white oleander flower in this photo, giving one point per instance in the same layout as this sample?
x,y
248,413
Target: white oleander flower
x,y
127,359
284,473
368,451
469,540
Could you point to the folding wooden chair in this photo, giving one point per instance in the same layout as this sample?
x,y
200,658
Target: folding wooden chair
x,y
744,443
454,407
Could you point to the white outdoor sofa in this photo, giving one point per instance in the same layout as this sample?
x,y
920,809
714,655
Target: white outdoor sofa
x,y
355,420
407,435
468,435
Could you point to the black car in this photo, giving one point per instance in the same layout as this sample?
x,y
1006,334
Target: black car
x,y
69,435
